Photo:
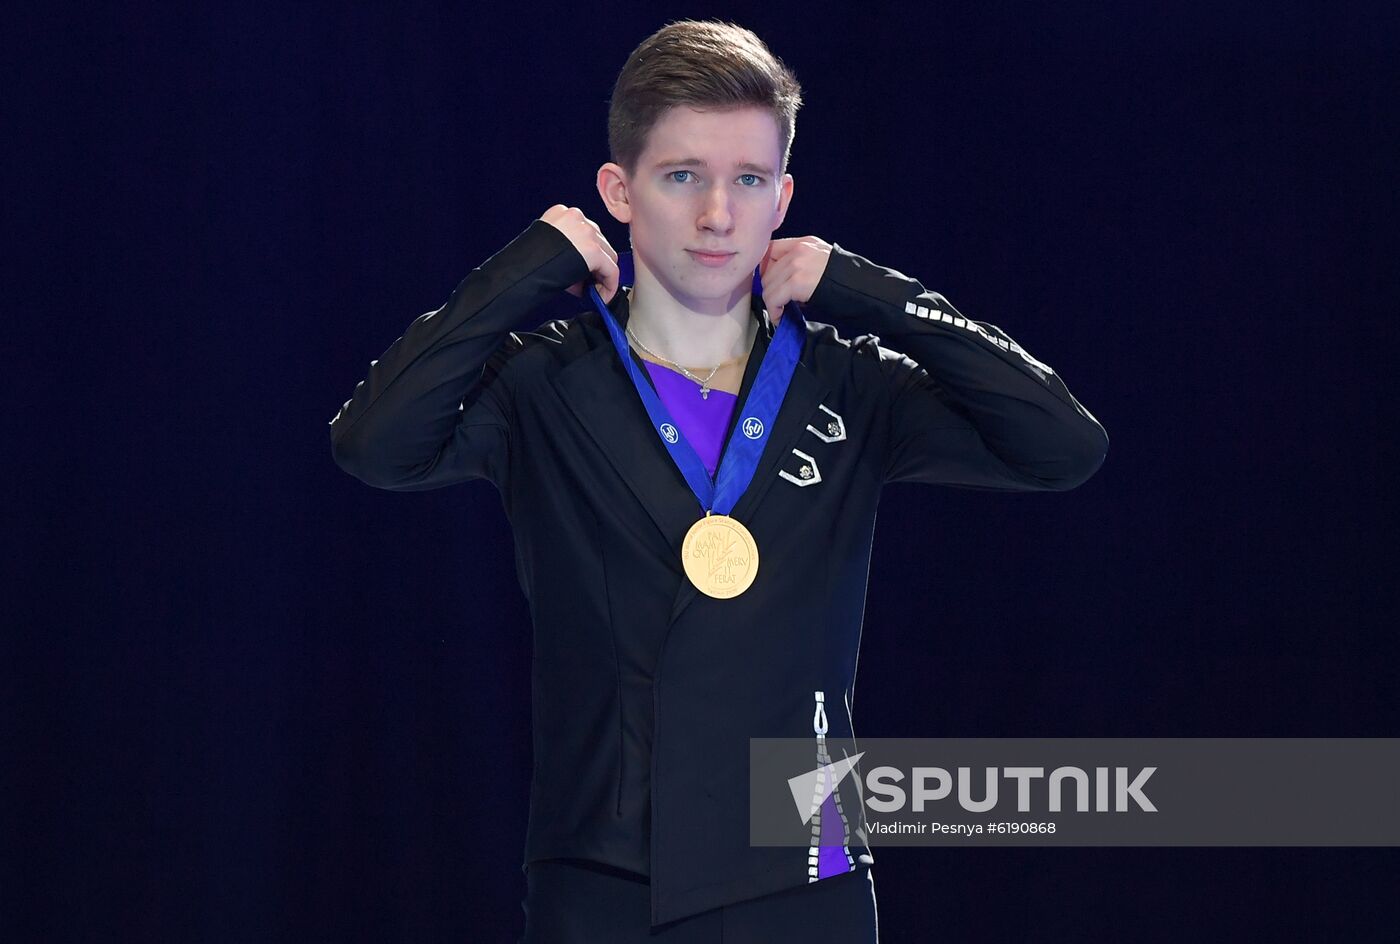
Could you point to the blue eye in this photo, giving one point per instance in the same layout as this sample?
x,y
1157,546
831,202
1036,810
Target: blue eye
x,y
673,174
756,179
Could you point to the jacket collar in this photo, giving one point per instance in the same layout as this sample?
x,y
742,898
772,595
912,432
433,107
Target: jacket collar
x,y
599,392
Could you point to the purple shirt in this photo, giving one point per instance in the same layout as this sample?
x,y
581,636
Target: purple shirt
x,y
703,422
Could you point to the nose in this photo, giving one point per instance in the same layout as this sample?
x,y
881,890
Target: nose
x,y
715,213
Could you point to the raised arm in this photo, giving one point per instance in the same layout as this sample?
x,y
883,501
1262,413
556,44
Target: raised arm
x,y
969,406
433,410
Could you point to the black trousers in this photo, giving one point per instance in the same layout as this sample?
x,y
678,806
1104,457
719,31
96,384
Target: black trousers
x,y
572,901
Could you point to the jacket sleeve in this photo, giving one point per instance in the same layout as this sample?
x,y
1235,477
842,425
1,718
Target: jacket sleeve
x,y
434,409
968,405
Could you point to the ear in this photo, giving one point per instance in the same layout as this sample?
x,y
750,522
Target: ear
x,y
612,187
784,198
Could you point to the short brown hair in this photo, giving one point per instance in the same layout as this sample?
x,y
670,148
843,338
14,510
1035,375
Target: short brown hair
x,y
705,64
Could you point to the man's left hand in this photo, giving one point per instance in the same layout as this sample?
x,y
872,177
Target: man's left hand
x,y
791,270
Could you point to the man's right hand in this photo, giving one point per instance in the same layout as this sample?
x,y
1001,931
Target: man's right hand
x,y
590,242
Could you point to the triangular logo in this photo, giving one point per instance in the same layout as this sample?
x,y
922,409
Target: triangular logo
x,y
810,790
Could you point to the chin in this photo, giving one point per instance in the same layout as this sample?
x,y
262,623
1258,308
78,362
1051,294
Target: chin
x,y
721,285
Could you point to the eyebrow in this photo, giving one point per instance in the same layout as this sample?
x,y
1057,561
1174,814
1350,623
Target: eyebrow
x,y
696,162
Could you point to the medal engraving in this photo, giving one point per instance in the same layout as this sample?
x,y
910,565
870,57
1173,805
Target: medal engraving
x,y
720,556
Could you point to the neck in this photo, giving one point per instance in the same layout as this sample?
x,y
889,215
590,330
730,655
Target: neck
x,y
701,332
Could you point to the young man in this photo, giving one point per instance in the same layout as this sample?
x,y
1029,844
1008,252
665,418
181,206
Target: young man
x,y
691,477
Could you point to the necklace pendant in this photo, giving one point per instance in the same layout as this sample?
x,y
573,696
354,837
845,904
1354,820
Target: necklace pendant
x,y
704,393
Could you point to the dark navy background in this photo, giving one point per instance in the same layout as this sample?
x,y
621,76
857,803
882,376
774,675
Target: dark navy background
x,y
252,699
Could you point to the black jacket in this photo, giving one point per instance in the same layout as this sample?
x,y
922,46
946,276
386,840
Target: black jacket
x,y
645,691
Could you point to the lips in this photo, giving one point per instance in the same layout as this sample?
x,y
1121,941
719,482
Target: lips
x,y
711,259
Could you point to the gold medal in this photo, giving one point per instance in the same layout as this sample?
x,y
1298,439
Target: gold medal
x,y
720,556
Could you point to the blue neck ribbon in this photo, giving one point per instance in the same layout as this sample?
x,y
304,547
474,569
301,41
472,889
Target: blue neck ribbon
x,y
741,454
